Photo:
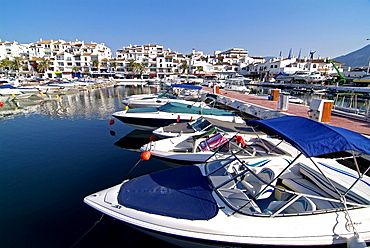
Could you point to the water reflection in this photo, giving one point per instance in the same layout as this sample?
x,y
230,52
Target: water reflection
x,y
102,102
96,103
134,140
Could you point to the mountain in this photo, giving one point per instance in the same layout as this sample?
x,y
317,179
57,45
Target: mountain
x,y
357,58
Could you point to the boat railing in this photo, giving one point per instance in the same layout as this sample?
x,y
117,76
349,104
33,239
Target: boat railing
x,y
298,196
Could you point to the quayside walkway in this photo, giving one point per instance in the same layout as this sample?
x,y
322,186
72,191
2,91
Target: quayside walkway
x,y
298,110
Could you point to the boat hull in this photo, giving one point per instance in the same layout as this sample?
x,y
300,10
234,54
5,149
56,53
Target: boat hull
x,y
285,231
152,121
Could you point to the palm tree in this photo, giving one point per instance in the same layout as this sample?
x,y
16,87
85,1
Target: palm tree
x,y
114,65
5,64
139,68
74,70
16,64
95,64
43,65
184,66
199,69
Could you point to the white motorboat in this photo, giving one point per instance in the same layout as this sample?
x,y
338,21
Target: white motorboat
x,y
177,93
154,117
19,92
216,144
301,76
236,84
284,77
315,77
305,201
198,127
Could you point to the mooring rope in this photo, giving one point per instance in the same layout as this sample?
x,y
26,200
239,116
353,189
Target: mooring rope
x,y
87,231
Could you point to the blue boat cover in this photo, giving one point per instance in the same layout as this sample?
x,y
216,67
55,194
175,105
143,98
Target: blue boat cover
x,y
187,86
282,74
7,86
176,107
181,192
313,138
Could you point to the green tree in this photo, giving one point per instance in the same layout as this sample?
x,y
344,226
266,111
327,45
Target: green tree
x,y
136,68
184,66
43,65
5,64
16,64
95,64
199,69
139,68
113,65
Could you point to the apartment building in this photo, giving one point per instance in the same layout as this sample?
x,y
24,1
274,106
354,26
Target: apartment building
x,y
160,62
66,58
79,58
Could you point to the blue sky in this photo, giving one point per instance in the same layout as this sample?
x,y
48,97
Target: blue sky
x,y
263,27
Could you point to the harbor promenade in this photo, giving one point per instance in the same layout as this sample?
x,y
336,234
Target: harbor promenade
x,y
298,110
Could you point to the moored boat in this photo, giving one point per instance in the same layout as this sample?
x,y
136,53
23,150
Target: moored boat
x,y
310,200
183,93
154,117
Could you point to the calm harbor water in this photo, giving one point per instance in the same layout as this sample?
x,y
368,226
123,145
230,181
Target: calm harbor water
x,y
54,152
53,155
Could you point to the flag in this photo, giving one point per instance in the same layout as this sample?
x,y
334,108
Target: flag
x,y
290,54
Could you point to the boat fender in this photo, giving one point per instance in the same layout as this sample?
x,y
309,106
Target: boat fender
x,y
145,156
240,141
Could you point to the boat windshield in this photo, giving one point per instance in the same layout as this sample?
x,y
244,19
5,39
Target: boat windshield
x,y
200,124
284,186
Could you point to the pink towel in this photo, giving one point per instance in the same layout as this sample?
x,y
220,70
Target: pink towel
x,y
213,142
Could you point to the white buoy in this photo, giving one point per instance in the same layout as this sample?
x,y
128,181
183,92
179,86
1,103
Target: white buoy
x,y
356,242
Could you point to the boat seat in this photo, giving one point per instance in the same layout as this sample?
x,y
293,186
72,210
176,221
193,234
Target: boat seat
x,y
239,200
306,187
341,180
262,145
255,185
301,205
213,142
183,146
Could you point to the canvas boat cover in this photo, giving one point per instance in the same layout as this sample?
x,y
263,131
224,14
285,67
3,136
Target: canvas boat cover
x,y
181,192
187,86
205,123
176,107
313,138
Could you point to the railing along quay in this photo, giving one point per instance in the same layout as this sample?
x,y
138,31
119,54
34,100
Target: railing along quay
x,y
264,109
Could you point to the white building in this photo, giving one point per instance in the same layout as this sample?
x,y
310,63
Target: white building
x,y
92,59
66,58
13,49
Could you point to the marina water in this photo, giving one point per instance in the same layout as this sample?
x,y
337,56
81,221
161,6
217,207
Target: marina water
x,y
54,154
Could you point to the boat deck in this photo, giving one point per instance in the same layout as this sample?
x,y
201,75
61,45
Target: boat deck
x,y
299,110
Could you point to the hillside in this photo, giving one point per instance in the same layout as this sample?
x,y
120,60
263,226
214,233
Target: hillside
x,y
357,58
